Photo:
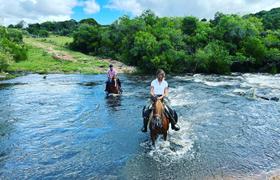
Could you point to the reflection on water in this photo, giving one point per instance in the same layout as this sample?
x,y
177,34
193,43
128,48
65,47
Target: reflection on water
x,y
113,102
64,127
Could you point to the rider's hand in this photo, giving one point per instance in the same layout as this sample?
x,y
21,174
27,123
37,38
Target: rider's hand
x,y
160,98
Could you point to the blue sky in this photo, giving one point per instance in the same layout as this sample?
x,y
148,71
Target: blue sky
x,y
104,16
107,11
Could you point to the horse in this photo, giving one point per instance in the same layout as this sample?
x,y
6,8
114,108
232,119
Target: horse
x,y
159,124
113,87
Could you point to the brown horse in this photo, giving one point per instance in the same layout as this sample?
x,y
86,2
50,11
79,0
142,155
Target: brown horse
x,y
159,124
113,87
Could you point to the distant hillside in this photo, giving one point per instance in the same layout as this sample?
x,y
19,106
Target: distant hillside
x,y
63,28
270,19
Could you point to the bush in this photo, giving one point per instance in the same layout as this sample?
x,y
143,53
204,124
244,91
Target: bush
x,y
214,58
11,47
5,60
17,51
15,36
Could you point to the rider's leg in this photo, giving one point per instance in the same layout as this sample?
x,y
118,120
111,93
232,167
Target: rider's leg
x,y
119,82
172,115
107,84
147,110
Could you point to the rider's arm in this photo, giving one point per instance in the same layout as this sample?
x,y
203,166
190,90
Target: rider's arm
x,y
165,94
108,75
152,91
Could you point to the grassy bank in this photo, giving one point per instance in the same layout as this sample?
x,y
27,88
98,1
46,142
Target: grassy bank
x,y
5,76
48,55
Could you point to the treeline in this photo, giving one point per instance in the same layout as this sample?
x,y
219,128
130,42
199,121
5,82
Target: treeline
x,y
270,19
185,44
63,28
12,47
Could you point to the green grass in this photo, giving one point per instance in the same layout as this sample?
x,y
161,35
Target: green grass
x,y
78,56
41,62
57,40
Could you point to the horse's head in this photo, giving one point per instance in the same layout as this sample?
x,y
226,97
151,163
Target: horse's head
x,y
159,123
158,108
113,86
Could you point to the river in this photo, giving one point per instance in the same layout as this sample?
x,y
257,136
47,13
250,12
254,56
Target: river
x,y
64,127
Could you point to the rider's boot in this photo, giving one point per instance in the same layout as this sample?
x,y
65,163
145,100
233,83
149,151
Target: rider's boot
x,y
106,88
173,118
145,115
145,125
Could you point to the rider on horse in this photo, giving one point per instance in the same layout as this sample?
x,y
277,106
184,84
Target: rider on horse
x,y
159,90
112,76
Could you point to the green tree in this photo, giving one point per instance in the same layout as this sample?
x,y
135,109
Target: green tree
x,y
11,47
87,39
145,47
189,25
214,58
254,47
89,21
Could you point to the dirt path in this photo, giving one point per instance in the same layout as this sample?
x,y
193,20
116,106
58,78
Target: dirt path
x,y
62,55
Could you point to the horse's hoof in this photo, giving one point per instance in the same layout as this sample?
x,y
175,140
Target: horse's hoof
x,y
175,128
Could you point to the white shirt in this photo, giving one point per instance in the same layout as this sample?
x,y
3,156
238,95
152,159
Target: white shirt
x,y
159,87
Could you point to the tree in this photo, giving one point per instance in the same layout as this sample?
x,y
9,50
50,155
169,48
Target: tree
x,y
20,24
87,39
270,19
189,25
11,47
254,47
145,47
214,58
89,21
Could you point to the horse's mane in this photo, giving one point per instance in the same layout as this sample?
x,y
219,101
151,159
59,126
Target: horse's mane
x,y
158,110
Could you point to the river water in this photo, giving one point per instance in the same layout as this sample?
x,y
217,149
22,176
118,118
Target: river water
x,y
64,127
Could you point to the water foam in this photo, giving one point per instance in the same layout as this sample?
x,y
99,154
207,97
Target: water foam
x,y
178,144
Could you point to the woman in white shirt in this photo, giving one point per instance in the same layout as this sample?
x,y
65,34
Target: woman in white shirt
x,y
159,90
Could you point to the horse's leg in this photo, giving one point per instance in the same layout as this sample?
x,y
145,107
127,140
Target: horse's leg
x,y
165,135
153,138
166,127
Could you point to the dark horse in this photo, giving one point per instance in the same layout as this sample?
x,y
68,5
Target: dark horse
x,y
159,124
113,87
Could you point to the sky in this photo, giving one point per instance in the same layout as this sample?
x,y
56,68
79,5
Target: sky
x,y
107,11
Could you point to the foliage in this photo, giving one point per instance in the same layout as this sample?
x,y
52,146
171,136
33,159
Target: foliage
x,y
177,44
11,47
183,44
270,19
60,28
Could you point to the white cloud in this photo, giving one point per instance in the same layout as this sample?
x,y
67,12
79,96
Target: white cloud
x,y
91,7
198,8
31,11
131,6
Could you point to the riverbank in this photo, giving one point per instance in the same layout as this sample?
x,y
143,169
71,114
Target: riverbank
x,y
49,55
5,76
